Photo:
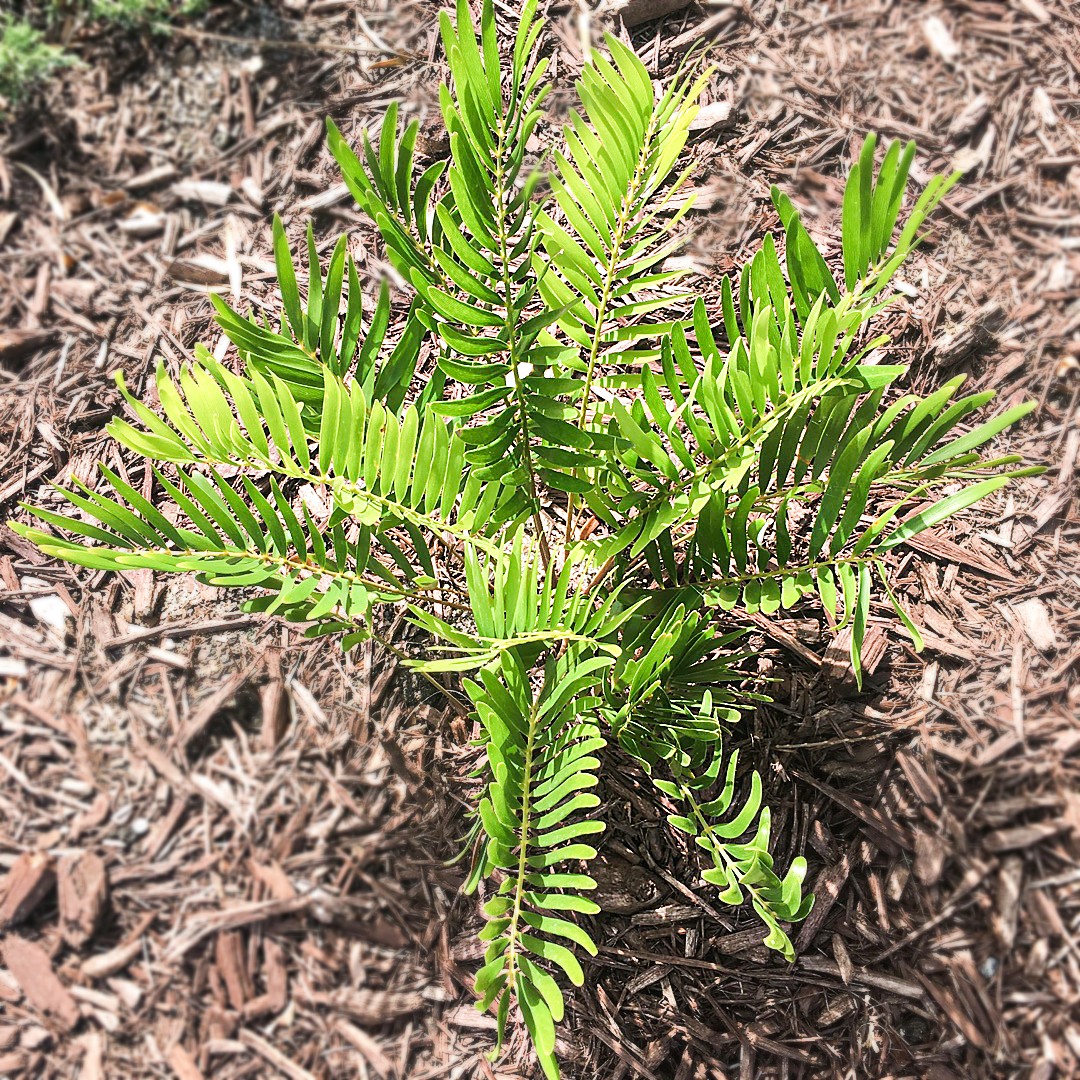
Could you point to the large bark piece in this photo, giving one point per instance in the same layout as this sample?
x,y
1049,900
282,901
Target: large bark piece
x,y
33,971
83,886
26,884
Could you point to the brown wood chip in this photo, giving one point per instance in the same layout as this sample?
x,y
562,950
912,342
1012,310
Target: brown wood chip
x,y
206,924
183,1064
1024,836
93,1062
17,344
637,12
83,888
111,962
274,1056
861,977
275,703
14,1063
836,663
371,1007
33,970
367,1046
197,722
25,885
826,889
229,952
273,879
277,983
953,1009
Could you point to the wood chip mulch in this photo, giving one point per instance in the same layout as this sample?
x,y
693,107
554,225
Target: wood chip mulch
x,y
225,854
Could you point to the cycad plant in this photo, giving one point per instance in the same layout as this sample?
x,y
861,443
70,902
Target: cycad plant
x,y
571,475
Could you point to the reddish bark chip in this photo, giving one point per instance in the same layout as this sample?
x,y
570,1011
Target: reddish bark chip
x,y
14,1063
836,663
183,1064
33,971
93,1061
90,819
229,952
9,991
275,703
83,886
273,879
25,885
373,1053
277,983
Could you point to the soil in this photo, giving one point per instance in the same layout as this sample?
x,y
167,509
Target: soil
x,y
225,851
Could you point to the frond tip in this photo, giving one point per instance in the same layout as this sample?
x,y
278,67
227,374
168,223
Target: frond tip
x,y
741,868
668,699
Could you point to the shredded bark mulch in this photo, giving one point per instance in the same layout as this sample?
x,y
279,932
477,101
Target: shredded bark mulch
x,y
225,852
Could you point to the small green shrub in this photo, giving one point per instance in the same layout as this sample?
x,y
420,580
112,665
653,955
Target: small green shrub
x,y
138,14
26,60
586,492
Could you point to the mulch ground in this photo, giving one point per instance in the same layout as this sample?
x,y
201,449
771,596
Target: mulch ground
x,y
224,853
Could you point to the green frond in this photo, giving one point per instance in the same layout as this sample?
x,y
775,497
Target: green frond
x,y
774,488
777,471
673,684
522,608
541,760
871,208
392,486
319,335
232,535
383,187
607,232
541,768
466,252
668,699
741,868
611,233
485,319
376,467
